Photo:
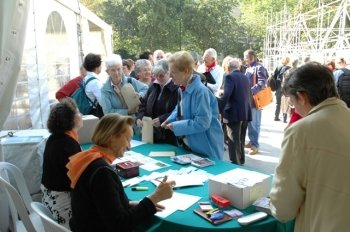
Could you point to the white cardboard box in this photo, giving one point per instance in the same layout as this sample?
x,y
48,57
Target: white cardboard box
x,y
89,124
242,187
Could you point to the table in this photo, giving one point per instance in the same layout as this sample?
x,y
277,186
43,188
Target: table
x,y
188,220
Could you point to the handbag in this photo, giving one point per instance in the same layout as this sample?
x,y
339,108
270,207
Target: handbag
x,y
263,97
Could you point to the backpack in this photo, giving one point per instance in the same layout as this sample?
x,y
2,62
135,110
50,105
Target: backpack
x,y
274,82
343,86
84,103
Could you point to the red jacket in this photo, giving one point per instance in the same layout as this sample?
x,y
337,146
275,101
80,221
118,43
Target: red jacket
x,y
67,89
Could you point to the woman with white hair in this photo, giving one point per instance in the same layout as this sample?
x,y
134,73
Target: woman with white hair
x,y
159,102
143,71
113,100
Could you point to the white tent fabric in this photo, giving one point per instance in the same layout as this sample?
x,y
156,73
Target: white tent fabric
x,y
58,34
13,15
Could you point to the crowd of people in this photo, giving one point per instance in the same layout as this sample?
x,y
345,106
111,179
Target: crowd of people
x,y
200,105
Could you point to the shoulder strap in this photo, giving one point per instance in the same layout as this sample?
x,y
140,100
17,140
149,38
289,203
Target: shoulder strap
x,y
129,80
84,85
255,75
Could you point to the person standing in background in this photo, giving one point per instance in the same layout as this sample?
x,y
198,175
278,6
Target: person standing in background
x,y
67,89
92,64
278,76
210,61
257,76
235,107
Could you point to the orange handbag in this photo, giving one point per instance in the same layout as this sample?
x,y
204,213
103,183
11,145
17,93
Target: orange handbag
x,y
263,97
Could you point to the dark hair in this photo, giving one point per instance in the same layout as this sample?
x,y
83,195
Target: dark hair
x,y
61,118
250,53
128,63
92,61
314,79
145,55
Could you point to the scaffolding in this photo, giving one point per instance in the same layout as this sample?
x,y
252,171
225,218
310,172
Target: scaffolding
x,y
321,33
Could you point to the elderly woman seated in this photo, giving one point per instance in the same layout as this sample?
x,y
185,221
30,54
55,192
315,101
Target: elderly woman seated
x,y
63,123
113,99
159,102
143,71
99,202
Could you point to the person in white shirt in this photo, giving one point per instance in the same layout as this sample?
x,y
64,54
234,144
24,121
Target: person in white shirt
x,y
92,64
210,61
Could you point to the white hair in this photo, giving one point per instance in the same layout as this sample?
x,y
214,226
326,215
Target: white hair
x,y
234,64
113,60
139,64
211,52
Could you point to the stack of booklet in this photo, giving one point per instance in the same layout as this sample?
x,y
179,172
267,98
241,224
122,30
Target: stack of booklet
x,y
193,160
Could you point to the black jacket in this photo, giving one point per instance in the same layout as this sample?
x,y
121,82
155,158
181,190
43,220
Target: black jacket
x,y
58,149
162,108
99,202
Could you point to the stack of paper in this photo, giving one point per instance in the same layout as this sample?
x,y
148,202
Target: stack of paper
x,y
179,201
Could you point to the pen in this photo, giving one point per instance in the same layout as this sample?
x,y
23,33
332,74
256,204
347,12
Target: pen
x,y
139,188
162,181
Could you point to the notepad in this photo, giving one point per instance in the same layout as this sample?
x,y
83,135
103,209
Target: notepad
x,y
161,154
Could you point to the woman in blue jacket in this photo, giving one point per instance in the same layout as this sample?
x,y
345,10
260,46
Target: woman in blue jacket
x,y
113,100
195,120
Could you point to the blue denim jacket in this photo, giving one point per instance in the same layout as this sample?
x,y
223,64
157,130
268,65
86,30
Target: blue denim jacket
x,y
111,102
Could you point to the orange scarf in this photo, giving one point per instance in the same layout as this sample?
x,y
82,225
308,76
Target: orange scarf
x,y
80,161
73,134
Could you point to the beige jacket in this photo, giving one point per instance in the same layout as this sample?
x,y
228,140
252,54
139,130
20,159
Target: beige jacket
x,y
312,180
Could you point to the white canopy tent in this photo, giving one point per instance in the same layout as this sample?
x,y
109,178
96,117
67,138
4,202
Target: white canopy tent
x,y
42,45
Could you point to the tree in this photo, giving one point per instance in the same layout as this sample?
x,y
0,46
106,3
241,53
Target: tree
x,y
172,25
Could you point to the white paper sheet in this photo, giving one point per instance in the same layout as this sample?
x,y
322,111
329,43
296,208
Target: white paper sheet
x,y
179,201
182,181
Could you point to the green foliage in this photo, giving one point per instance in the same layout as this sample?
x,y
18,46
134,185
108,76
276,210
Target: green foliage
x,y
173,25
170,25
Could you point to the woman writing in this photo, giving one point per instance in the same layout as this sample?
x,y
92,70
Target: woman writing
x,y
99,202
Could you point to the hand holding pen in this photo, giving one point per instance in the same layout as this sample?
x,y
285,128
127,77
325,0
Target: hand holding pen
x,y
163,191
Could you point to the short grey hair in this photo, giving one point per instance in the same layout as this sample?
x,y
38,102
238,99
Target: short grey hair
x,y
140,64
161,66
211,52
234,64
113,60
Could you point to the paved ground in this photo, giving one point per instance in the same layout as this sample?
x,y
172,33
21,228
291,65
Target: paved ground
x,y
271,136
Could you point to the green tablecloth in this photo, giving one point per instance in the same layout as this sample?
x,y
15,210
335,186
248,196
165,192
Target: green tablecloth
x,y
188,220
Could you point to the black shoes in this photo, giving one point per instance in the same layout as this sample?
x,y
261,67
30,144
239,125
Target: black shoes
x,y
277,119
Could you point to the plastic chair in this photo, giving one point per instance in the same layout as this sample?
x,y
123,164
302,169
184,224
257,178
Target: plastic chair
x,y
47,219
19,201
